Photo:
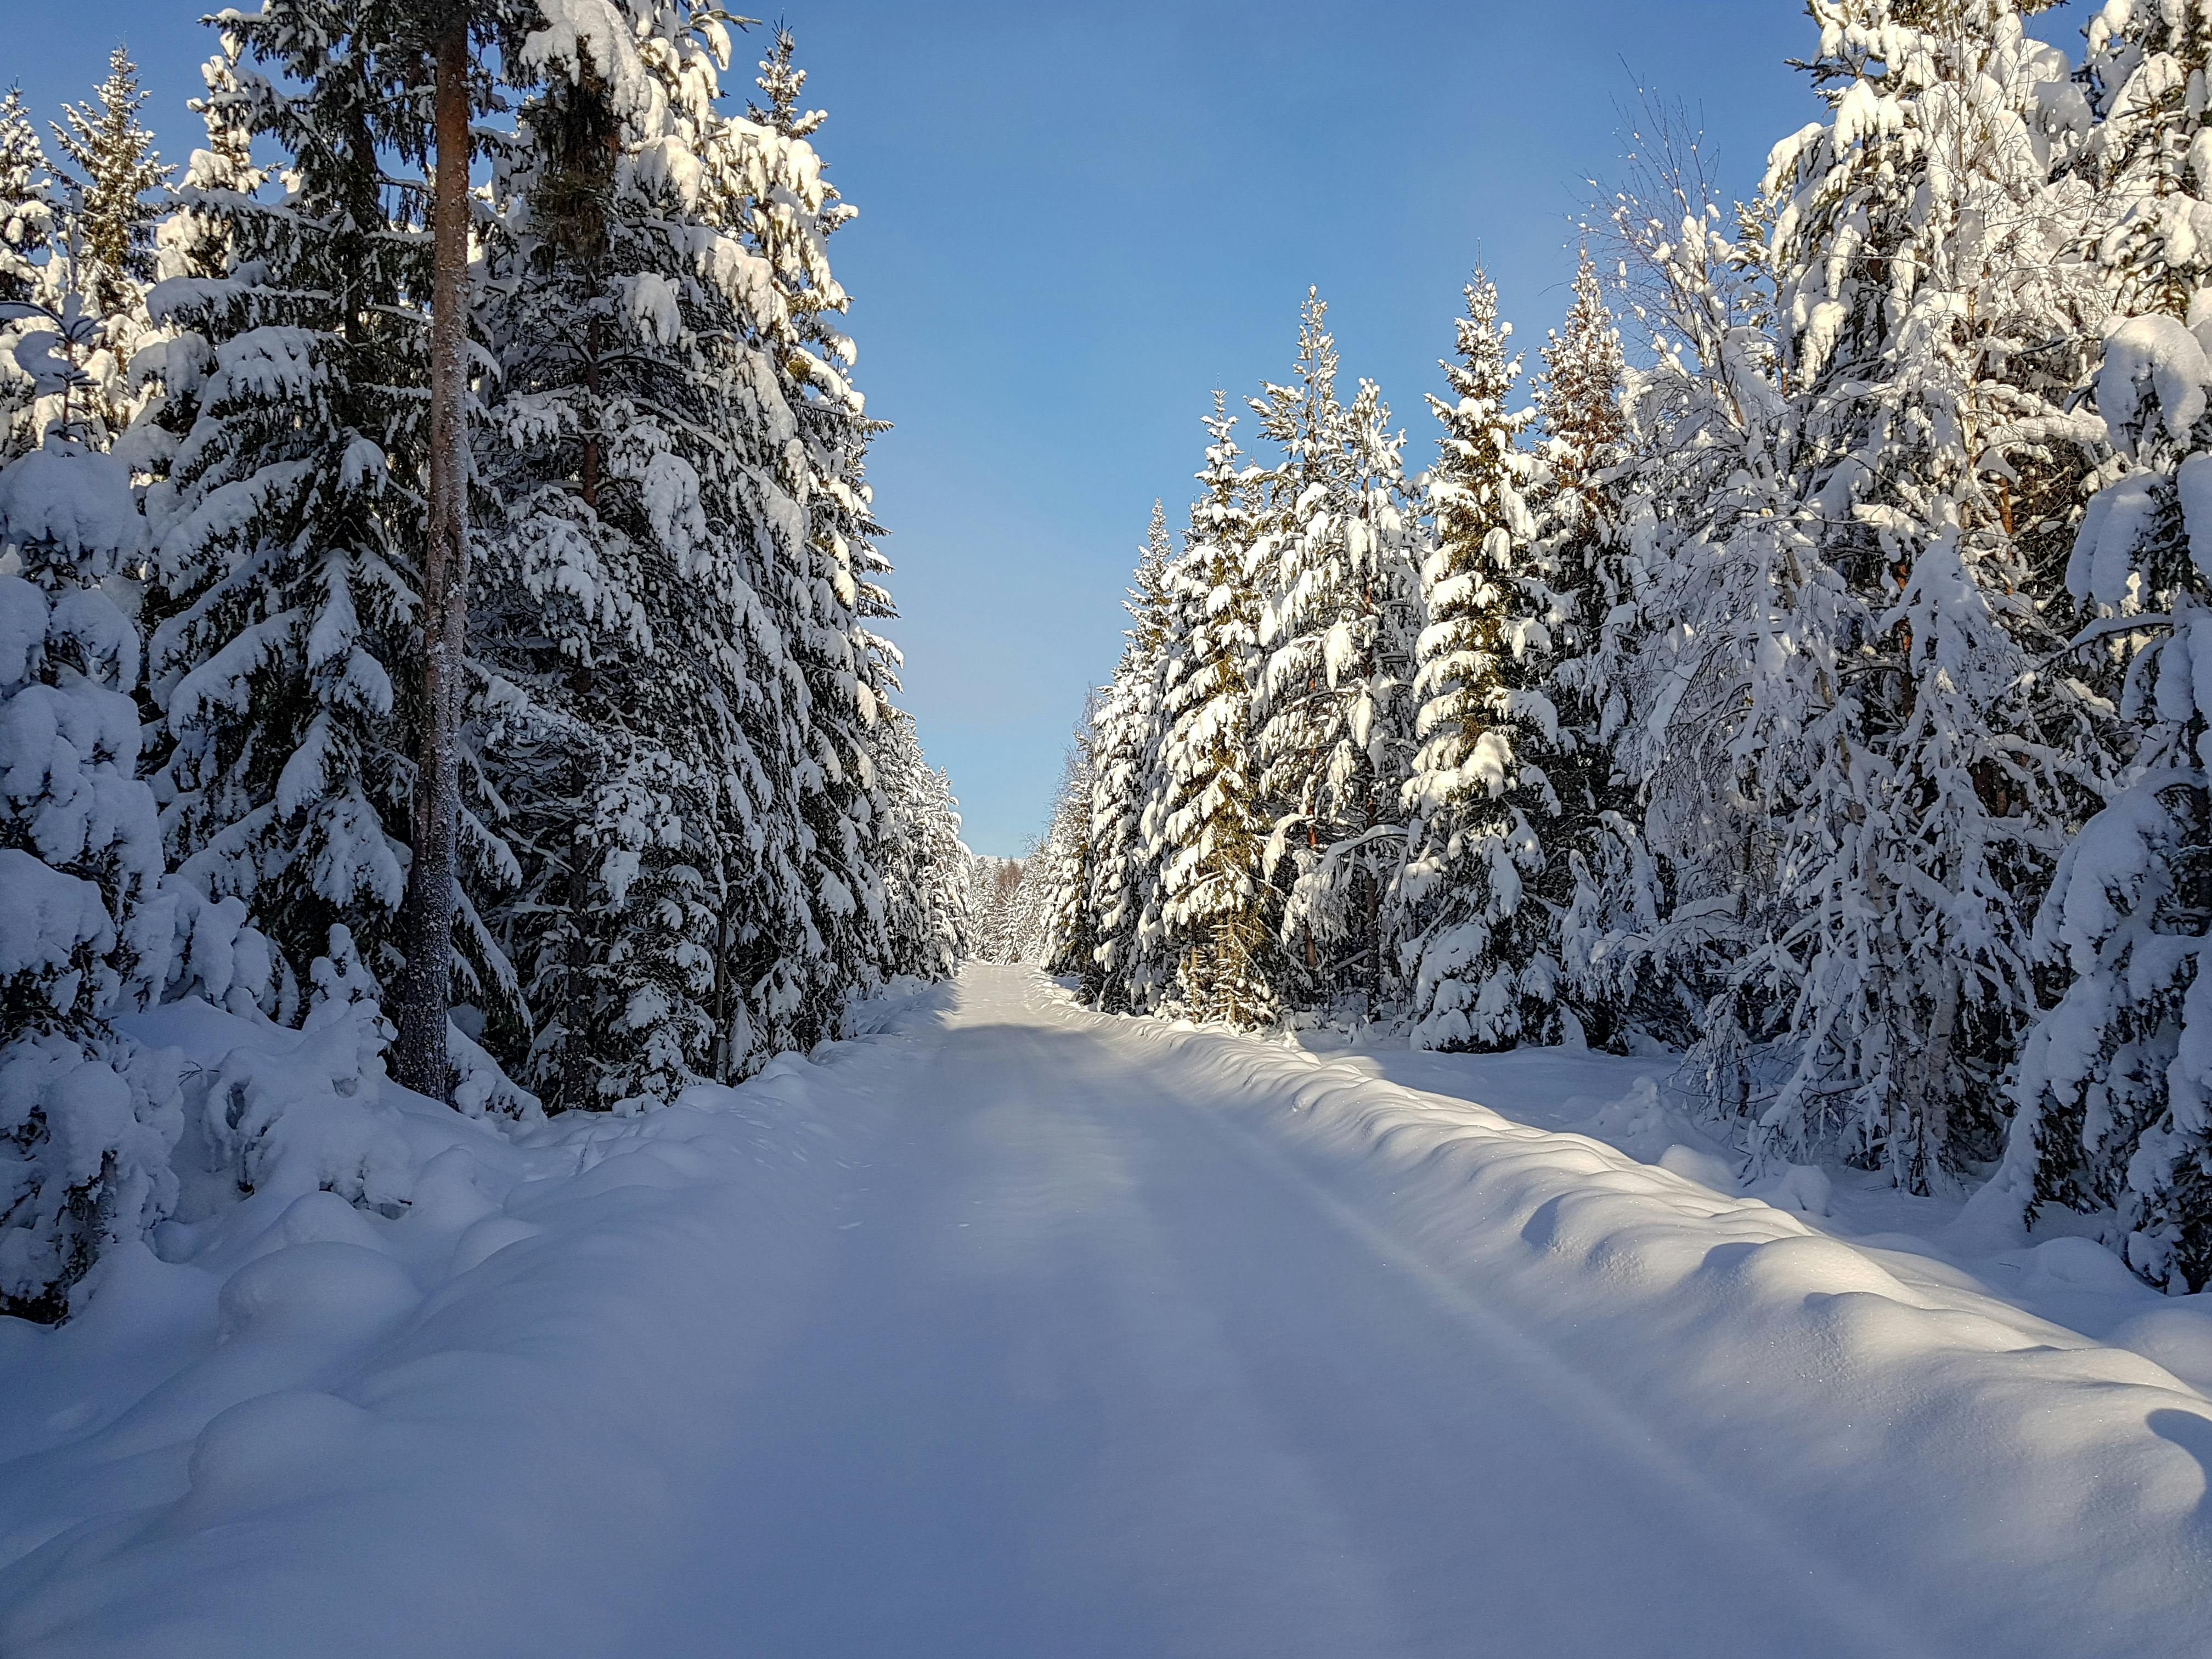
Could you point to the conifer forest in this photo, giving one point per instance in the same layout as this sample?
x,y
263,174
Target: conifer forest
x,y
1600,1047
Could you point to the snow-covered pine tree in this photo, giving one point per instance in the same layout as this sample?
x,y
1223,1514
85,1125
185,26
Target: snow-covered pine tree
x,y
577,744
926,872
87,1120
1209,828
1582,537
827,586
29,215
684,568
116,169
1936,313
114,190
1063,936
27,210
2114,1094
1476,944
1127,734
994,905
1334,717
288,528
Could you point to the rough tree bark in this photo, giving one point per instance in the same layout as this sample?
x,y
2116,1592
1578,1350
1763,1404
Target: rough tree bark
x,y
420,1056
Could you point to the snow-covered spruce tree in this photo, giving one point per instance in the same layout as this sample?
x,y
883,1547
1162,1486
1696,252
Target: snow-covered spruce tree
x,y
1339,614
1936,314
1476,944
828,587
1583,544
87,1121
1061,935
926,872
29,215
701,891
1126,731
1211,830
288,526
2113,1090
588,743
27,210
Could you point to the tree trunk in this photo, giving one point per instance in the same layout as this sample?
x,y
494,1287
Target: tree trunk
x,y
577,966
420,1056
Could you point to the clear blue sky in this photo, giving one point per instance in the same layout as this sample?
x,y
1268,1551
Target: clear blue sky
x,y
1076,220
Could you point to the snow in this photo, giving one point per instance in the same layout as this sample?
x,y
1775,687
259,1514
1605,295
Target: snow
x,y
1013,1328
77,500
47,917
2156,355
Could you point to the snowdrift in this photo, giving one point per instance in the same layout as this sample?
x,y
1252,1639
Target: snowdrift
x,y
456,1415
2014,1488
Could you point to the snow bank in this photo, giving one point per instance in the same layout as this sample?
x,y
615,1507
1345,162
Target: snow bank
x,y
463,1415
1889,1407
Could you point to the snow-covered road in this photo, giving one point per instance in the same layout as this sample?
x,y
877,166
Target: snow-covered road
x,y
1100,1373
1014,1332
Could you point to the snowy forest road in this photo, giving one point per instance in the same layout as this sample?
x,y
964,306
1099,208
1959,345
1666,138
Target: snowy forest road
x,y
1100,1373
1006,1330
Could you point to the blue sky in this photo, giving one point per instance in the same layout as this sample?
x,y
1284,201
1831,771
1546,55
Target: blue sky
x,y
1077,220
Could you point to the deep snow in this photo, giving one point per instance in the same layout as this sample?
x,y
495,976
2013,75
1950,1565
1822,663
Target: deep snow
x,y
1015,1330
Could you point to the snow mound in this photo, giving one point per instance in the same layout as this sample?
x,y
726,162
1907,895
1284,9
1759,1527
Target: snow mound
x,y
367,1398
1895,1412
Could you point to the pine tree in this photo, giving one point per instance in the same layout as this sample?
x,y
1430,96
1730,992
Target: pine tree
x,y
2115,1101
829,587
117,168
1476,943
87,1121
683,579
1063,936
1333,705
1127,733
1210,828
928,929
91,926
28,211
29,215
288,528
111,168
1583,541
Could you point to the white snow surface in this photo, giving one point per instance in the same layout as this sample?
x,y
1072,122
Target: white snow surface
x,y
1011,1330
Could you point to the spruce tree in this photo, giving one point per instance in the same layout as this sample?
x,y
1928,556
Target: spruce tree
x,y
110,219
1582,537
2115,1100
285,652
1216,909
1063,938
926,872
828,585
1476,949
1127,735
1340,600
28,215
87,1120
681,580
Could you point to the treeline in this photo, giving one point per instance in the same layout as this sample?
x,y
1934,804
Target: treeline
x,y
1818,692
334,648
